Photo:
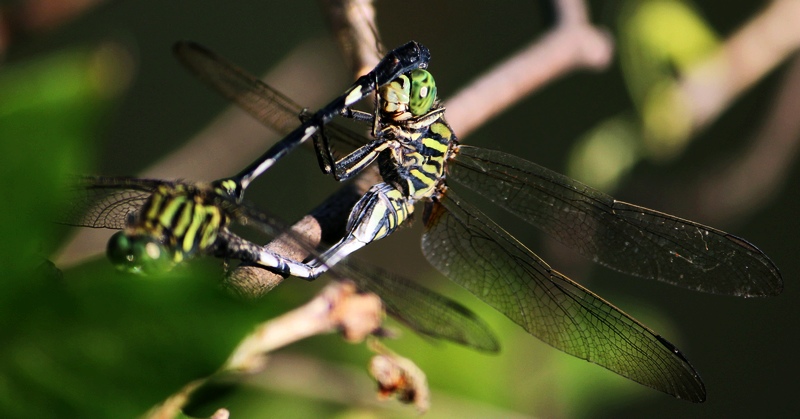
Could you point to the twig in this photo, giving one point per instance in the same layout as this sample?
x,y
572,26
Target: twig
x,y
745,58
572,44
290,374
747,182
337,308
172,407
352,23
400,377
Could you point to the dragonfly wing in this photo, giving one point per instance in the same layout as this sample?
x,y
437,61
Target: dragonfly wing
x,y
625,237
246,214
105,202
422,310
478,254
264,103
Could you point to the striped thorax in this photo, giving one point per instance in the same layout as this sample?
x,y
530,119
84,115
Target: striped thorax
x,y
412,117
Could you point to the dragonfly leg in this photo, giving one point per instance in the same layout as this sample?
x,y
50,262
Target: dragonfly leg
x,y
232,246
376,215
353,163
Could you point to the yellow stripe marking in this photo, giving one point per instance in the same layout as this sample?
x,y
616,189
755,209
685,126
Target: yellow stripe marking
x,y
442,130
168,213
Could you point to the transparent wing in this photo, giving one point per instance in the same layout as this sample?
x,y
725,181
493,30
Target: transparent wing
x,y
422,310
476,253
105,202
625,237
263,102
258,99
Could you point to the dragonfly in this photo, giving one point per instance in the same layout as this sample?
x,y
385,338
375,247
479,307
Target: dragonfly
x,y
418,156
164,223
242,89
136,249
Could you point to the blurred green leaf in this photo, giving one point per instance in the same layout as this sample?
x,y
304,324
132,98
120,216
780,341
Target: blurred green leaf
x,y
94,342
659,40
606,153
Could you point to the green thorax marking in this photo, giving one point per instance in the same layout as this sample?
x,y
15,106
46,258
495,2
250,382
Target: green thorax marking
x,y
412,118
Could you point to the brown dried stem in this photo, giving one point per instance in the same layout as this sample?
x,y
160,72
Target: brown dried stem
x,y
747,182
571,45
337,308
755,49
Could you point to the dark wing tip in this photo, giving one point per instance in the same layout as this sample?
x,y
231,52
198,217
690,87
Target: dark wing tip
x,y
762,285
693,390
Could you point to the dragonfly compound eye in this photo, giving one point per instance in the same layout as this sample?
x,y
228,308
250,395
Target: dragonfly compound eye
x,y
423,92
138,254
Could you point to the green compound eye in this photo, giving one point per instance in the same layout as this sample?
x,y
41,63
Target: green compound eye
x,y
138,254
423,92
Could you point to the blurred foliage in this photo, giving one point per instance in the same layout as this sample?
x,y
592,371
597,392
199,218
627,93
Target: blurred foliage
x,y
95,343
89,342
658,41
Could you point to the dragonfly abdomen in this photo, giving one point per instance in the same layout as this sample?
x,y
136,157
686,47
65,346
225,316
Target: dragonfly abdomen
x,y
185,220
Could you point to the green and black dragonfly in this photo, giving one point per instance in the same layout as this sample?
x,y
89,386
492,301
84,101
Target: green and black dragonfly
x,y
243,89
166,222
130,248
418,155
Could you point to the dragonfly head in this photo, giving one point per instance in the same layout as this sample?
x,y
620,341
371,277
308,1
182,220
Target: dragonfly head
x,y
408,96
138,254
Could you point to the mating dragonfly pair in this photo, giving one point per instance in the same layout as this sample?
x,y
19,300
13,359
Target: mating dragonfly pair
x,y
418,155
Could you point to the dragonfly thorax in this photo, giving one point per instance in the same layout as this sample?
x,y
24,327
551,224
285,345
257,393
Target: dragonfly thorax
x,y
417,137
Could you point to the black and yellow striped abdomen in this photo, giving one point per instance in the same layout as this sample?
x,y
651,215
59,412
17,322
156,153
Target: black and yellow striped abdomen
x,y
185,219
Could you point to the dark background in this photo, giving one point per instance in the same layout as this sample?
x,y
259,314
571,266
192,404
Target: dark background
x,y
742,348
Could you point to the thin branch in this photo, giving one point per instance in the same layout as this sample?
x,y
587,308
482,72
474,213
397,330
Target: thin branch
x,y
352,23
744,59
337,308
400,377
747,182
291,373
572,44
